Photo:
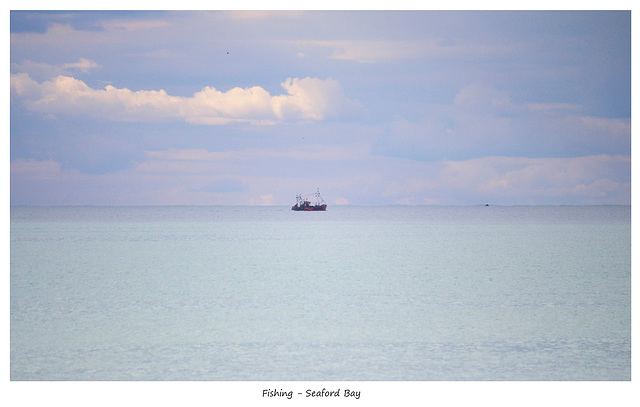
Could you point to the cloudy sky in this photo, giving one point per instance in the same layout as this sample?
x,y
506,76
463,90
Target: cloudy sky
x,y
374,108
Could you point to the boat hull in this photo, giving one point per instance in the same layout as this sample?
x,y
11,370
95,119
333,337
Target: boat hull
x,y
309,208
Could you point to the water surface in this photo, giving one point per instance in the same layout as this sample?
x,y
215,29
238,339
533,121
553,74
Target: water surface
x,y
354,293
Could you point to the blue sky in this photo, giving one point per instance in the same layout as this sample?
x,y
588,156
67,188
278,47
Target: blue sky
x,y
380,108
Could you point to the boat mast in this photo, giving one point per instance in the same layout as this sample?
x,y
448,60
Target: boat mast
x,y
319,199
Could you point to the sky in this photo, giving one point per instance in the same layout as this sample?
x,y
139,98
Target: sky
x,y
371,107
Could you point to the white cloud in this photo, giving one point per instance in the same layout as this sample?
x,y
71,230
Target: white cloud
x,y
133,25
370,51
306,99
375,51
582,180
210,105
261,14
45,71
263,200
83,65
308,153
315,99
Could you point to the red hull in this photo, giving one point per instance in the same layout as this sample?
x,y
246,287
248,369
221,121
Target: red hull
x,y
309,208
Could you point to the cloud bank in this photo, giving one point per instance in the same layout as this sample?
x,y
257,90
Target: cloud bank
x,y
202,177
482,121
373,107
306,99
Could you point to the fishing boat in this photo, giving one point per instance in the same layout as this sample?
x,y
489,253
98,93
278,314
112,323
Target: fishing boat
x,y
304,204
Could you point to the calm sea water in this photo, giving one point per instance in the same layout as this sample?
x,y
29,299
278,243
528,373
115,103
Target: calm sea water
x,y
354,293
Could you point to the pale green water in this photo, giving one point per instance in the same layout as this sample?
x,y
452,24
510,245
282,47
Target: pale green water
x,y
354,293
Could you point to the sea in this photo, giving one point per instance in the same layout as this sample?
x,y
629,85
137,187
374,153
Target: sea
x,y
356,293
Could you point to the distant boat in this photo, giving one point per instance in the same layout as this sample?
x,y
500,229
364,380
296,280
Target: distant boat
x,y
304,204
